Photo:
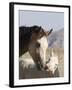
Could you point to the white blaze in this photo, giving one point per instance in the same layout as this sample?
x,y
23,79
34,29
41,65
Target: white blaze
x,y
43,48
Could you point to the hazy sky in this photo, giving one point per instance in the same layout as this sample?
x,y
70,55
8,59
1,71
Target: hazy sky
x,y
47,20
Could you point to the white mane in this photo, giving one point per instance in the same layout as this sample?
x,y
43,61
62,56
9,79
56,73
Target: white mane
x,y
52,62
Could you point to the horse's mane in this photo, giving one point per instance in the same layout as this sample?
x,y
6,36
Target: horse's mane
x,y
27,29
25,34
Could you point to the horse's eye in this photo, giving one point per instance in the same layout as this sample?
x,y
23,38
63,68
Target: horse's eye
x,y
38,45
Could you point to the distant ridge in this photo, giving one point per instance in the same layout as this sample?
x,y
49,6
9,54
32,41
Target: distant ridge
x,y
56,39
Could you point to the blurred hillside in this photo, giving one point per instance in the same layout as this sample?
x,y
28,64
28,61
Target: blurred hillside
x,y
56,39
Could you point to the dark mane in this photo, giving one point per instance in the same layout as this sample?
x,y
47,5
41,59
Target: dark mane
x,y
25,29
25,34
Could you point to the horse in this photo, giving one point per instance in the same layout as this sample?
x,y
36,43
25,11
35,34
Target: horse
x,y
34,40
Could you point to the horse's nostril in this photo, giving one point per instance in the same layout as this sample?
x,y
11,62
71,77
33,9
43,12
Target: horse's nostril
x,y
46,68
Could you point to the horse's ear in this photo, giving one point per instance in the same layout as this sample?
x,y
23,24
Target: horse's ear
x,y
49,32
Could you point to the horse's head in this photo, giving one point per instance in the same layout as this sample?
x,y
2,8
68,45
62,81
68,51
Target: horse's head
x,y
38,45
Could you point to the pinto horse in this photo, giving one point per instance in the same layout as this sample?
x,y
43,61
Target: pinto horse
x,y
34,40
